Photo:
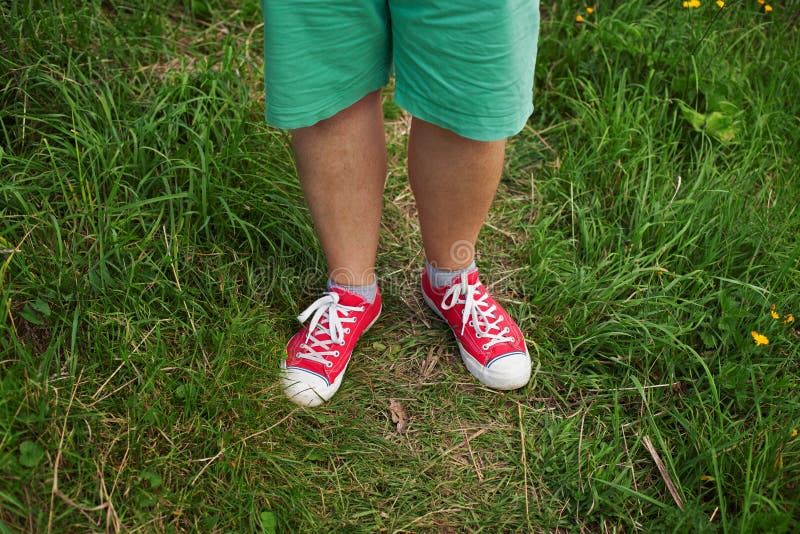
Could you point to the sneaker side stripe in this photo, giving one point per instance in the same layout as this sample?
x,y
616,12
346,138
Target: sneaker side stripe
x,y
323,377
497,359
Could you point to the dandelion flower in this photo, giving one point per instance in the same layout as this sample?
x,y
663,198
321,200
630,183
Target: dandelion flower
x,y
767,8
686,5
761,2
590,10
793,433
789,319
721,4
760,339
773,313
579,18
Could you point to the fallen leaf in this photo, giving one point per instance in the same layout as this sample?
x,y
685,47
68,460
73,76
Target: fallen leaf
x,y
30,453
398,415
269,522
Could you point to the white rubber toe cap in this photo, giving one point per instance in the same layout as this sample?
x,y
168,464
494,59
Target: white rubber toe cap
x,y
506,372
306,388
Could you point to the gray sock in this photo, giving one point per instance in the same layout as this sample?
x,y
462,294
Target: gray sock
x,y
441,277
367,293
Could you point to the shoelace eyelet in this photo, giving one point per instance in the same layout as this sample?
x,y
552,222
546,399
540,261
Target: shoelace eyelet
x,y
484,347
336,354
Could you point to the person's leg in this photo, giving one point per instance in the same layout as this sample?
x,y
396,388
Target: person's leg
x,y
324,64
465,73
454,180
341,163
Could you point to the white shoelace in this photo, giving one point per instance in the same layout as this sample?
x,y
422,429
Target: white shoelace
x,y
477,312
329,318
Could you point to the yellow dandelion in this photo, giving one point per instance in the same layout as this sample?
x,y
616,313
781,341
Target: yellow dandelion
x,y
686,5
579,18
767,8
694,3
793,433
590,10
773,313
760,339
721,4
789,319
761,2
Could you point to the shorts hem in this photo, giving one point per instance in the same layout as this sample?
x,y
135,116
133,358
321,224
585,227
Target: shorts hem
x,y
470,126
305,118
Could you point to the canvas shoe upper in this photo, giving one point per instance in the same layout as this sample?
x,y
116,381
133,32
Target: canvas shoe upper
x,y
318,355
491,344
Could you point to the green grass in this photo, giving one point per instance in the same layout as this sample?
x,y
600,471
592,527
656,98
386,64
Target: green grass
x,y
155,250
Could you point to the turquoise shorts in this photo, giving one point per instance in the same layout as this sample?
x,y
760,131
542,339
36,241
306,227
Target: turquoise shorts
x,y
463,65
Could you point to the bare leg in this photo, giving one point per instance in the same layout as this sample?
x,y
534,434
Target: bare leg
x,y
341,162
454,180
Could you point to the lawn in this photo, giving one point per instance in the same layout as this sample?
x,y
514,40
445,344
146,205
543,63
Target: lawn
x,y
155,250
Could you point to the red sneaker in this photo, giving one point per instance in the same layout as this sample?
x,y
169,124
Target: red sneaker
x,y
317,356
491,344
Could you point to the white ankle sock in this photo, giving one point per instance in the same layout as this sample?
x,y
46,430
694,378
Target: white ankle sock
x,y
367,293
443,277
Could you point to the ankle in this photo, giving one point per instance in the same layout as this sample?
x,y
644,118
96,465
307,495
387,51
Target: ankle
x,y
344,276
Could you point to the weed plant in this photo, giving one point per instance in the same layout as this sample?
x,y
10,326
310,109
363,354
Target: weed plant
x,y
154,248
